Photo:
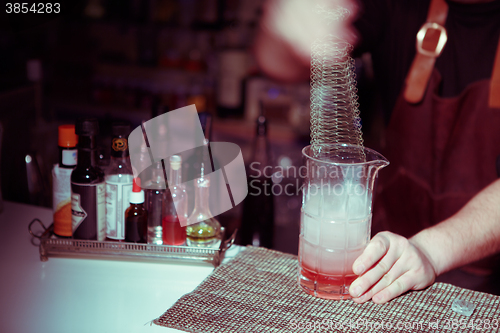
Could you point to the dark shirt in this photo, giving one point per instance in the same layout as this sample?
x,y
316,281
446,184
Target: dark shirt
x,y
388,30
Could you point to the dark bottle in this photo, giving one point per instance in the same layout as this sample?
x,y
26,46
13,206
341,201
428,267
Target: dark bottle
x,y
88,206
257,224
136,216
61,180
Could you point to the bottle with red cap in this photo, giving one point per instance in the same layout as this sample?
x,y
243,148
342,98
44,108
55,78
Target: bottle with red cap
x,y
61,180
136,216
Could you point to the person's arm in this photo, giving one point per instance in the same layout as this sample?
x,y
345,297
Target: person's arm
x,y
392,265
282,47
278,59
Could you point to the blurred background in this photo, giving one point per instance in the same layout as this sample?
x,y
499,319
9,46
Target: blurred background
x,y
135,59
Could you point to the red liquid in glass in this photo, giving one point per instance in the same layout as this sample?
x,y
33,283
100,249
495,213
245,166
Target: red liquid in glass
x,y
173,232
324,285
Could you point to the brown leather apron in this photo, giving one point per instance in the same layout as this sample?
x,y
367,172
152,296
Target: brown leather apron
x,y
442,152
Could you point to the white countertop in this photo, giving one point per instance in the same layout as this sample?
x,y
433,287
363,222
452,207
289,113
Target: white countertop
x,y
83,295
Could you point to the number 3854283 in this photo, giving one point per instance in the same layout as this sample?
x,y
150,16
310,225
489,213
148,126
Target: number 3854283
x,y
34,8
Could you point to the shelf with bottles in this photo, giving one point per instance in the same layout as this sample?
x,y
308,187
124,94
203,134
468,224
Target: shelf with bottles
x,y
172,61
195,14
146,88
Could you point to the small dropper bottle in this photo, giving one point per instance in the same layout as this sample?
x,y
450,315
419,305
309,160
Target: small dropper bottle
x,y
207,231
136,216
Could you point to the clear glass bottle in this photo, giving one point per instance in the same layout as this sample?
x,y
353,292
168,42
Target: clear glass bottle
x,y
175,206
206,232
155,192
118,178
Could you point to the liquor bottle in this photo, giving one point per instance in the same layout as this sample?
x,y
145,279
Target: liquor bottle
x,y
233,66
61,180
257,225
174,206
136,216
118,182
231,82
155,192
207,231
88,206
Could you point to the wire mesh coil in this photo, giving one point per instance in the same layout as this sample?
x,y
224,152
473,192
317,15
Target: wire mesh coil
x,y
334,102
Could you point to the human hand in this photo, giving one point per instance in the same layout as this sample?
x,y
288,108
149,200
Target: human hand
x,y
389,266
297,23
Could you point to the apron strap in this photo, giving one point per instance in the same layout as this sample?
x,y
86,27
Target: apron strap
x,y
431,39
494,100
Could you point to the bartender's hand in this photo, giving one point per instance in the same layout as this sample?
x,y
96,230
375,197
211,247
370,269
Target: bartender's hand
x,y
287,30
389,266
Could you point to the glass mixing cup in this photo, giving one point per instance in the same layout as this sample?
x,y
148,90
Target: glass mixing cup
x,y
336,216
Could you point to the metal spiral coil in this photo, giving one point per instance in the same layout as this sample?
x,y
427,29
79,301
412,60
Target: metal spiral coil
x,y
334,102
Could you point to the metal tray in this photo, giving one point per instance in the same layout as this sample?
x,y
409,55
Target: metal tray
x,y
52,246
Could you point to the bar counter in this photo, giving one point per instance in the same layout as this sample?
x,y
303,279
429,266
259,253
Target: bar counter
x,y
254,290
83,295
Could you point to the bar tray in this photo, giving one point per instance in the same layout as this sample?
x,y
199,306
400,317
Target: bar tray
x,y
52,246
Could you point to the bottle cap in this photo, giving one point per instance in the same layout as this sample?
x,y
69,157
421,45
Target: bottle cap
x,y
119,142
261,125
87,126
175,162
67,136
137,195
136,185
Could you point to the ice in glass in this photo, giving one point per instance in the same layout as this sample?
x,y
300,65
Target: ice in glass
x,y
335,216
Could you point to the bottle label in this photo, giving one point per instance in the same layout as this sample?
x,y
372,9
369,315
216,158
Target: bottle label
x,y
117,202
88,209
69,157
61,199
78,214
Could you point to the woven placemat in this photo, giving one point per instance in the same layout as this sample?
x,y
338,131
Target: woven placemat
x,y
257,291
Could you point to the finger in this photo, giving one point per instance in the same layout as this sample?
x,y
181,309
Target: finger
x,y
379,248
374,251
397,270
373,276
399,286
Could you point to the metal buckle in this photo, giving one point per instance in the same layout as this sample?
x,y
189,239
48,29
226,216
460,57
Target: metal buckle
x,y
443,37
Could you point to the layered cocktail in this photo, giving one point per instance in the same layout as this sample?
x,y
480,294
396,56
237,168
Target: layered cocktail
x,y
335,217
